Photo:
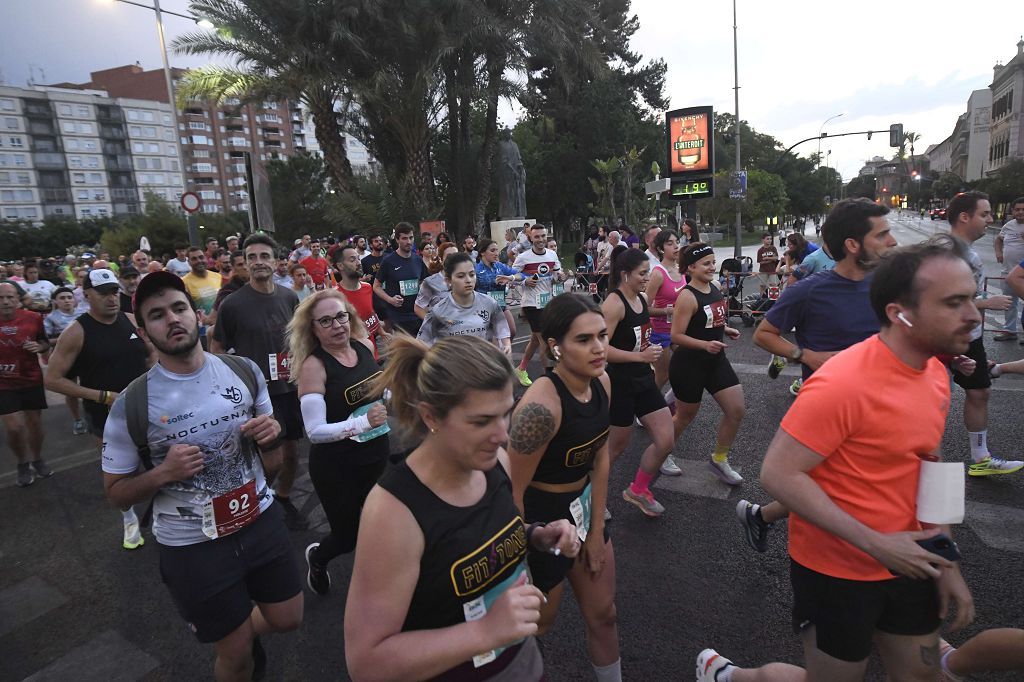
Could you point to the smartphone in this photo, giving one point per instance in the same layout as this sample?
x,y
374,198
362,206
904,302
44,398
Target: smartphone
x,y
942,545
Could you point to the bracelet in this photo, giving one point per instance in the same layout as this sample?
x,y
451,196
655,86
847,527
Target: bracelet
x,y
103,398
529,532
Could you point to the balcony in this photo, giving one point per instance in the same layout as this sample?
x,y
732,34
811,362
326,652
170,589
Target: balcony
x,y
109,114
49,160
41,128
111,133
124,193
38,109
55,195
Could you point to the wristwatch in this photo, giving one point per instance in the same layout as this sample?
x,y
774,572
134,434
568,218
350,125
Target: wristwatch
x,y
796,353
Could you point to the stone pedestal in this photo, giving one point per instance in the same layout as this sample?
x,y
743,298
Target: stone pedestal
x,y
498,228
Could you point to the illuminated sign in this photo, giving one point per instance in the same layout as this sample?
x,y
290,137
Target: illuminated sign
x,y
691,141
692,188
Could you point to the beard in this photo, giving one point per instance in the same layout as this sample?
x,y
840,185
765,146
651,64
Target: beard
x,y
177,348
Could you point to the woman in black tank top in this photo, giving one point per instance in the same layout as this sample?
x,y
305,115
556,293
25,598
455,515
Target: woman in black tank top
x,y
345,420
441,542
635,393
699,325
558,446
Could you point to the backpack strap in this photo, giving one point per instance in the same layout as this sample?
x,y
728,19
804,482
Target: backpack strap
x,y
136,408
244,371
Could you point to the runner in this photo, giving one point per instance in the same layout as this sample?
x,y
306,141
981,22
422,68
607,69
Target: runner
x,y
847,461
239,276
371,266
399,281
540,269
281,276
432,518
699,322
96,357
252,321
300,281
435,287
558,448
317,266
359,293
128,278
223,543
493,277
465,311
39,291
179,264
346,422
22,340
663,289
634,393
202,285
64,313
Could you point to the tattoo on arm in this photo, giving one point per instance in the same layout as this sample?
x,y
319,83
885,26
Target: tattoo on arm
x,y
532,427
930,655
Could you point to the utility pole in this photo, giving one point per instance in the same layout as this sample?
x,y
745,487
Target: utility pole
x,y
738,242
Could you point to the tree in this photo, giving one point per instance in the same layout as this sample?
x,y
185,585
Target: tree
x,y
55,237
298,190
604,188
861,186
947,185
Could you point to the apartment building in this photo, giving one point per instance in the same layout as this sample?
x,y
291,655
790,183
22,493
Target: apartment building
x,y
1006,135
304,132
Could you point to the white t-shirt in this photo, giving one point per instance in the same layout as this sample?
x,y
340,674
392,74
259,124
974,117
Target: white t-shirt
x,y
544,266
206,409
40,290
178,267
1013,243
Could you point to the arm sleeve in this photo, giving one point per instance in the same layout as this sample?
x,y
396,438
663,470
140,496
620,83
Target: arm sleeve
x,y
120,455
314,418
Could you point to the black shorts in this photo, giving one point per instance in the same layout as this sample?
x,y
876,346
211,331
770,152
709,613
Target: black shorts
x,y
547,571
95,417
691,373
20,399
846,613
532,316
215,583
981,377
288,413
633,396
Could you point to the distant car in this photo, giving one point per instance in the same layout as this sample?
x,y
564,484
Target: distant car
x,y
937,214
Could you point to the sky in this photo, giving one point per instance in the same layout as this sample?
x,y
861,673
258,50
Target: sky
x,y
876,62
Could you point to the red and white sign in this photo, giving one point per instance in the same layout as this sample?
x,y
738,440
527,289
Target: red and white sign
x,y
191,202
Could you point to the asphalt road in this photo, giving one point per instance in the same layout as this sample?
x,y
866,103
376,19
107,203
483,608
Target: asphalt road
x,y
73,604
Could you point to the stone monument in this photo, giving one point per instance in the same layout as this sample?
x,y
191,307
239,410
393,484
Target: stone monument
x,y
511,180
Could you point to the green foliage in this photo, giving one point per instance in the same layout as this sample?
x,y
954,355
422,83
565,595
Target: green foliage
x,y
861,186
947,185
766,196
371,209
55,237
298,191
1006,184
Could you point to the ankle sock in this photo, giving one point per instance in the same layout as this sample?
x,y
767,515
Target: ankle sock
x,y
979,444
725,674
721,453
608,673
129,515
641,482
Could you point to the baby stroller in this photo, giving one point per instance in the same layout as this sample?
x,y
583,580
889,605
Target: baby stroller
x,y
733,275
756,305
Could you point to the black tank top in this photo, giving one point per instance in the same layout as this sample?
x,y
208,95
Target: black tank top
x,y
345,390
632,333
584,429
112,355
708,321
468,552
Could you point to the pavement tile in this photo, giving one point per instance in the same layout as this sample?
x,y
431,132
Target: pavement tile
x,y
697,479
106,657
25,601
997,526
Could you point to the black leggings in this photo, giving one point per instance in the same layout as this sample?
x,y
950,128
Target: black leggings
x,y
342,488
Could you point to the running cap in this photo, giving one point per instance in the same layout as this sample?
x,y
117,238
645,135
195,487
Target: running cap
x,y
698,254
155,282
129,271
102,280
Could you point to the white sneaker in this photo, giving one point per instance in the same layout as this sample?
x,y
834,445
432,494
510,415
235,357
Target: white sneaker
x,y
670,468
709,663
725,472
132,533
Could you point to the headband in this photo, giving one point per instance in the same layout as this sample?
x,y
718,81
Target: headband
x,y
698,254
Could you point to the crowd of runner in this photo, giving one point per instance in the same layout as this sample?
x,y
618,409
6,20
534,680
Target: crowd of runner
x,y
199,374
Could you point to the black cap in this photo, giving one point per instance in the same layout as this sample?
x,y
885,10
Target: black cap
x,y
129,271
155,282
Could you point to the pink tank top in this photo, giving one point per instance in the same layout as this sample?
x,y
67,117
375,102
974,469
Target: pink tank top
x,y
666,296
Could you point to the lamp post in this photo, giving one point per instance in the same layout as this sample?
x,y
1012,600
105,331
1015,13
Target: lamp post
x,y
823,124
737,250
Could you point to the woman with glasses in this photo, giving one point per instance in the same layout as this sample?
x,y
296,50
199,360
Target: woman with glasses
x,y
345,419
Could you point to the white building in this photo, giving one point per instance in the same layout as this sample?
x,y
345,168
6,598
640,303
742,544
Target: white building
x,y
304,129
1007,124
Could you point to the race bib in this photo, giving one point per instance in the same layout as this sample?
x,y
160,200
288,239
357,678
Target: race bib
x,y
558,288
543,299
580,510
8,369
279,366
372,324
408,287
499,296
372,433
642,334
593,288
715,314
477,609
232,511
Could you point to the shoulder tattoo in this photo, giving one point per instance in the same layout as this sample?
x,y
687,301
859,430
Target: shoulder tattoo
x,y
532,427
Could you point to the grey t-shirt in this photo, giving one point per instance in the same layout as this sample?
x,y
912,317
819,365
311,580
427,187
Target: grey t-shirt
x,y
57,321
978,270
483,318
207,409
432,290
253,324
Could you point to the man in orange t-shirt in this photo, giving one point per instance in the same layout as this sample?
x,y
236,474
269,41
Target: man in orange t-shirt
x,y
846,462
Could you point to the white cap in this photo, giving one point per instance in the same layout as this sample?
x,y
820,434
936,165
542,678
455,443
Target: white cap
x,y
100,278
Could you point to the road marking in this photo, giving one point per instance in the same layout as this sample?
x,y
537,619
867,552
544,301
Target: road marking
x,y
998,526
26,601
59,464
108,656
697,479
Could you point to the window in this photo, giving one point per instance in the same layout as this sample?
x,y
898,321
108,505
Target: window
x,y
149,131
96,178
82,194
69,126
64,109
171,150
75,161
20,160
169,135
99,195
133,115
89,145
85,128
102,210
202,154
5,178
135,131
16,195
92,161
11,124
86,211
202,168
10,213
200,139
167,119
23,178
138,147
158,179
153,148
148,116
143,179
78,178
83,110
7,105
196,125
71,144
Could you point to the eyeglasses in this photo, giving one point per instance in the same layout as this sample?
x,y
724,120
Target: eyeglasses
x,y
328,322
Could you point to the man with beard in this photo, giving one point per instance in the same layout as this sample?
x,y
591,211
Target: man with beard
x,y
128,278
359,293
371,267
398,282
252,321
830,310
102,349
202,285
239,276
201,423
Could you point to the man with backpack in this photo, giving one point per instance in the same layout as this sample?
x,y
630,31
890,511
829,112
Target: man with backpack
x,y
188,434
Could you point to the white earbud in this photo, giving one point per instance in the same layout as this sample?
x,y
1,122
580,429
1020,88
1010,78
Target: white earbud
x,y
902,318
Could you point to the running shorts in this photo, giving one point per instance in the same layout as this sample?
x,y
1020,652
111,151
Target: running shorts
x,y
633,396
690,373
980,378
288,414
20,399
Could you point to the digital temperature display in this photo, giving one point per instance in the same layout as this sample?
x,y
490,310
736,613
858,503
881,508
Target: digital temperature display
x,y
697,188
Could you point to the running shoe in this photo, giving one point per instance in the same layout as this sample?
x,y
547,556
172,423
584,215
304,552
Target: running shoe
x,y
132,533
317,577
42,469
1005,336
293,518
709,664
945,648
670,468
79,428
993,466
725,472
776,366
795,387
524,378
25,476
259,659
755,529
646,502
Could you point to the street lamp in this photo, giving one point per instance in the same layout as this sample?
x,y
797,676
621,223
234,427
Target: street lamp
x,y
821,129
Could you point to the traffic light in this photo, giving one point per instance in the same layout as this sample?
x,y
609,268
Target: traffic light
x,y
895,134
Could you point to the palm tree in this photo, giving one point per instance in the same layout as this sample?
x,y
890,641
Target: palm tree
x,y
604,187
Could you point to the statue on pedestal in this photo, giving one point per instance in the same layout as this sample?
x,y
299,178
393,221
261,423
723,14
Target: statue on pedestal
x,y
511,180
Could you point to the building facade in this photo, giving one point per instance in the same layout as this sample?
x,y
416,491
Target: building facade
x,y
1006,136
